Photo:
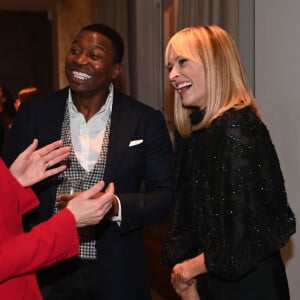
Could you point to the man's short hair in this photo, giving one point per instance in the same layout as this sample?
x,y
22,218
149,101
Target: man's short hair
x,y
112,34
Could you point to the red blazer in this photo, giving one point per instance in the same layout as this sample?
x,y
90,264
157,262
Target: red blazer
x,y
22,253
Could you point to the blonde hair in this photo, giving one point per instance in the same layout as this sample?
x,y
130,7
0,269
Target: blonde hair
x,y
226,82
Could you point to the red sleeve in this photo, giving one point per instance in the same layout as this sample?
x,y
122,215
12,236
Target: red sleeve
x,y
46,244
15,194
28,199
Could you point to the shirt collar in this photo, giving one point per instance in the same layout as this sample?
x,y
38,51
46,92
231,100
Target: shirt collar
x,y
107,107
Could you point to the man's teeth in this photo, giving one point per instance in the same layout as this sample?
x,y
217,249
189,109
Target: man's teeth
x,y
183,85
81,76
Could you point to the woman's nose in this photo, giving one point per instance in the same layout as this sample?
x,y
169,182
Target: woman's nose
x,y
173,73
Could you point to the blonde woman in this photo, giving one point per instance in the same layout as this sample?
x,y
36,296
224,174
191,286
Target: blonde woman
x,y
230,211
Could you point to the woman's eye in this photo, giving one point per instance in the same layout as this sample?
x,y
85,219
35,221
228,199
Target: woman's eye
x,y
182,61
169,68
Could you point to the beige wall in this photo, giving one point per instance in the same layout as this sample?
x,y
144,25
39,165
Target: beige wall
x,y
71,16
277,77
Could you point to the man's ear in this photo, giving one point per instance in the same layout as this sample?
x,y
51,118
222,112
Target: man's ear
x,y
116,70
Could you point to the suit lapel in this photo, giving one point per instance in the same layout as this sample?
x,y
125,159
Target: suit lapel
x,y
123,125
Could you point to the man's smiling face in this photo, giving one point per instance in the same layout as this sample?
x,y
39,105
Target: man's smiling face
x,y
90,65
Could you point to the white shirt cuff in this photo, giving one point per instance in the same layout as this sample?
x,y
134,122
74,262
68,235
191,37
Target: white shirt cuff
x,y
118,218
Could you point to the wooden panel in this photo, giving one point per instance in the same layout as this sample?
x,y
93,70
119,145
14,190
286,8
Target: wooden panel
x,y
26,50
159,274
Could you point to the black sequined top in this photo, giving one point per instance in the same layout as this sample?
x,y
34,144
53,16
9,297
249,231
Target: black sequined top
x,y
230,201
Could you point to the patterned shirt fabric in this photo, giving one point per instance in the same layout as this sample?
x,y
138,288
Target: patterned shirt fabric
x,y
76,178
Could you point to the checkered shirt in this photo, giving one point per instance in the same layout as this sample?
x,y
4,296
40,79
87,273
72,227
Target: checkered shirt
x,y
79,179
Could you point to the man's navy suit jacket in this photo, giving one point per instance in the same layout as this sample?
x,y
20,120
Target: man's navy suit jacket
x,y
120,248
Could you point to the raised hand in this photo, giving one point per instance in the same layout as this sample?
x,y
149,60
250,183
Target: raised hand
x,y
32,165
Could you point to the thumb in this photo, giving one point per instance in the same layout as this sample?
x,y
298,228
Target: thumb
x,y
110,188
92,191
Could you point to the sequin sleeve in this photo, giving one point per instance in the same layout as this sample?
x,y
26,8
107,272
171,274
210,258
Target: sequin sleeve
x,y
248,217
178,244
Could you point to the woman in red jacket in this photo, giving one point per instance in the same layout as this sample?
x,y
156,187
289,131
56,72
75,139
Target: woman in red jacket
x,y
49,242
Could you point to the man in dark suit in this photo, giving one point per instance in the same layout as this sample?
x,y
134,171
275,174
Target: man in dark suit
x,y
115,138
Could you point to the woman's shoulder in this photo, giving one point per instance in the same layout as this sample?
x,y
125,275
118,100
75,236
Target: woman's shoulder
x,y
240,122
237,117
241,130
